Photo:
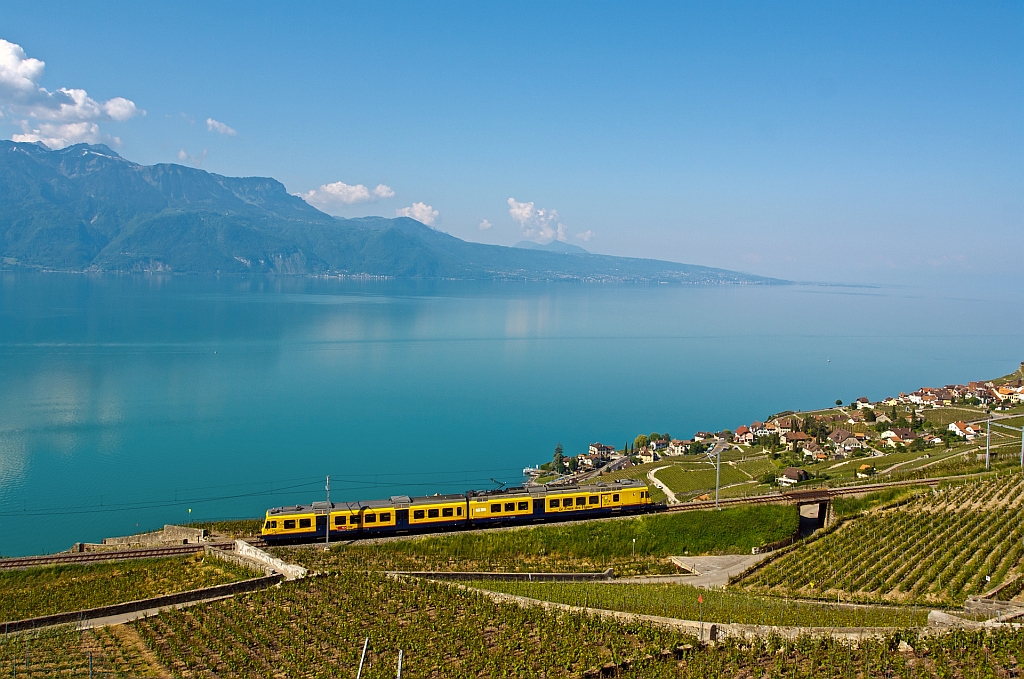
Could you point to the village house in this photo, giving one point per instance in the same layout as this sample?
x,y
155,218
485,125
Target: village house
x,y
862,402
743,435
601,450
648,456
759,429
657,444
678,447
795,438
791,475
703,435
966,431
844,440
856,417
864,471
589,460
786,424
812,450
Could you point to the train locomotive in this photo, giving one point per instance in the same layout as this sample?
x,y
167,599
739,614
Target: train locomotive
x,y
434,513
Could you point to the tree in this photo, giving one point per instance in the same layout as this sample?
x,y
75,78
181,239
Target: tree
x,y
640,442
655,436
573,464
839,401
869,415
558,462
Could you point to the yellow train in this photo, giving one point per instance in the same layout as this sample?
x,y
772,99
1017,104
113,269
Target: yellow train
x,y
474,509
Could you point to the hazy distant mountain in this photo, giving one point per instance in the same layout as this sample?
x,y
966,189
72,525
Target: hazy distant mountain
x,y
87,208
553,246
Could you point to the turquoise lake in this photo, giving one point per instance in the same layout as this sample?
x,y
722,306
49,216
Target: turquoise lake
x,y
125,401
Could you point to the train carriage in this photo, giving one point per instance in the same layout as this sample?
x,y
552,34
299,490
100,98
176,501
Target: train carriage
x,y
474,509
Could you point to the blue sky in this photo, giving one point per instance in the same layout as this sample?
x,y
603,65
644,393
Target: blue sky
x,y
862,142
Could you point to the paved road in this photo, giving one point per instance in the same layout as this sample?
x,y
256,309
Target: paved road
x,y
707,572
665,489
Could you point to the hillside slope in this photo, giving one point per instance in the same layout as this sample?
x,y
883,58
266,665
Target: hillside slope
x,y
87,208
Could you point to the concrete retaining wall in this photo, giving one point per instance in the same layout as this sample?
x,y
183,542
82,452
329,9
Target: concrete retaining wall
x,y
991,608
289,571
141,604
705,631
240,560
529,577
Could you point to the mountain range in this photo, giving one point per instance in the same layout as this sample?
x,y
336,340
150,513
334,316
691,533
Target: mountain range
x,y
85,208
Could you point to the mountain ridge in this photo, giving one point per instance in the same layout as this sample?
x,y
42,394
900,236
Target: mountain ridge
x,y
86,208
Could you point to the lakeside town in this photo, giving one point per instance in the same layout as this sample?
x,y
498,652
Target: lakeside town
x,y
897,435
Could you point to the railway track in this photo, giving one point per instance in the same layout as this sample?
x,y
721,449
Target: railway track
x,y
93,557
808,496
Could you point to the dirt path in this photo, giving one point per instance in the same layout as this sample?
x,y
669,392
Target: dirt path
x,y
130,638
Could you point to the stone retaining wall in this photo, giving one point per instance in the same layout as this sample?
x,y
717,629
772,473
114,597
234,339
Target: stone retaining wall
x,y
170,535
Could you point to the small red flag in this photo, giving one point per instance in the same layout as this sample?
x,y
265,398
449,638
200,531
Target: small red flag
x,y
700,598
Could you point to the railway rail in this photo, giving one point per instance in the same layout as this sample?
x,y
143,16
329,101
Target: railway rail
x,y
93,557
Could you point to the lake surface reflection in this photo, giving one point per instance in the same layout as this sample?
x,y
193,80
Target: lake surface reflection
x,y
125,401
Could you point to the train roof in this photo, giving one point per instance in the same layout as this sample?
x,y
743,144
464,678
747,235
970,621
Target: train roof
x,y
398,501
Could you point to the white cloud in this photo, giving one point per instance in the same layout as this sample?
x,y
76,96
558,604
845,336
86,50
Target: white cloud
x,y
537,224
219,127
59,135
585,236
186,157
421,212
70,114
484,225
383,191
17,71
338,194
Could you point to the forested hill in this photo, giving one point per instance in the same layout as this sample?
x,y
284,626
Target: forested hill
x,y
87,208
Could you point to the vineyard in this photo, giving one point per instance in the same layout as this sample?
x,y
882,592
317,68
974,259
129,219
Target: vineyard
x,y
937,549
684,481
580,546
680,601
315,628
54,589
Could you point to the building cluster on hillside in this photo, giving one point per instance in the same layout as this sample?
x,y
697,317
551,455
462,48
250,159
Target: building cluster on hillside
x,y
863,427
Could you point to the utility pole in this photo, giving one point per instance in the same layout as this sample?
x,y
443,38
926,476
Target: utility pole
x,y
362,658
327,531
718,472
988,442
1022,449
399,663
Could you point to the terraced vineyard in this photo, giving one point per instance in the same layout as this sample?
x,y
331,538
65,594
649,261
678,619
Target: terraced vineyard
x,y
54,589
315,628
939,548
680,601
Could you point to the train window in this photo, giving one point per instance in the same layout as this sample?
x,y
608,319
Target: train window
x,y
615,498
418,514
581,501
268,525
354,519
553,503
510,506
305,523
339,521
448,511
523,506
595,499
289,523
567,502
433,513
370,518
458,510
495,509
385,517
